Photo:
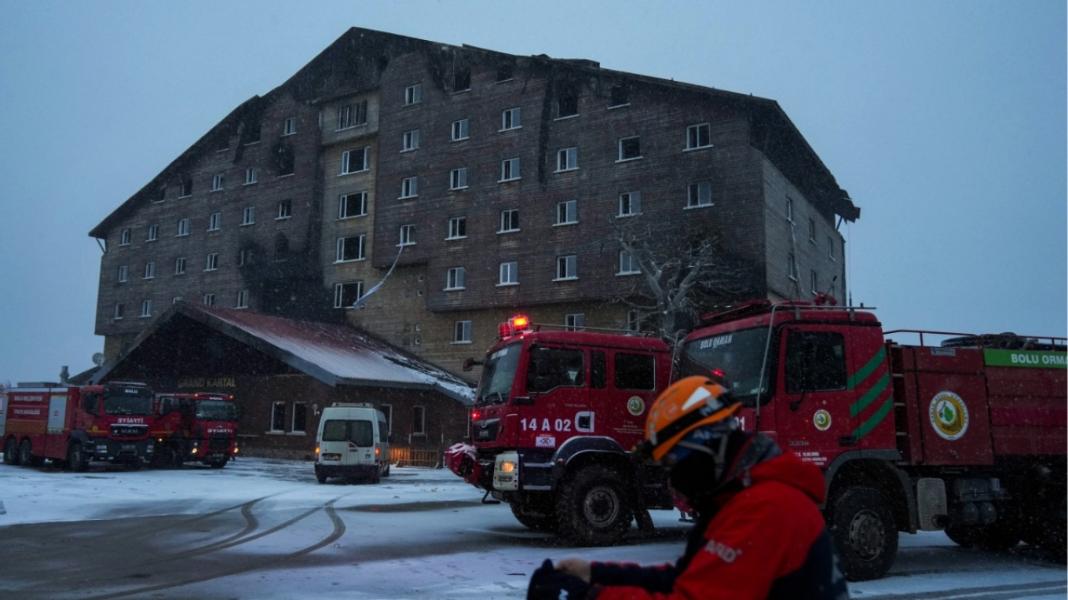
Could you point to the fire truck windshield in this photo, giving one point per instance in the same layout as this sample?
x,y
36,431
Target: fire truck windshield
x,y
127,405
498,374
216,410
738,354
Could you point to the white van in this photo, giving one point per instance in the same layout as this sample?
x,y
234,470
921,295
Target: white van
x,y
353,441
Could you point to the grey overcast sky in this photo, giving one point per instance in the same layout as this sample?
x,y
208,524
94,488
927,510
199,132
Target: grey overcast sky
x,y
944,120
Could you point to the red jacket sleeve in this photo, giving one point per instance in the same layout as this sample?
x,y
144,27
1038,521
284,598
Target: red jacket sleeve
x,y
762,533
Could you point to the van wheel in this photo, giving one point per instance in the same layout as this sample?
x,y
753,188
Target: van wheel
x,y
76,459
11,453
593,507
320,477
386,473
864,533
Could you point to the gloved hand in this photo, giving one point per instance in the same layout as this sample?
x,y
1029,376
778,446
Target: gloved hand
x,y
546,583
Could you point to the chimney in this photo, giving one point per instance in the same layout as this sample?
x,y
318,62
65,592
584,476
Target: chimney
x,y
64,374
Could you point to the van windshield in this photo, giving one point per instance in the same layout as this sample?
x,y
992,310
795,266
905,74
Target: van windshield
x,y
498,374
357,432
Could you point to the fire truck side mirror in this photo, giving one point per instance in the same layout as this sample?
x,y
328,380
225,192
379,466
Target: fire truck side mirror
x,y
469,363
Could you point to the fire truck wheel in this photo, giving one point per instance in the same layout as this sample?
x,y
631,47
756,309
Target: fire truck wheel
x,y
218,464
592,508
534,521
26,457
11,454
864,532
76,459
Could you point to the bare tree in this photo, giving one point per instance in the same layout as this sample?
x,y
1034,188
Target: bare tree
x,y
682,274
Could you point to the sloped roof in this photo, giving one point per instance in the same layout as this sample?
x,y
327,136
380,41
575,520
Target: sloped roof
x,y
335,354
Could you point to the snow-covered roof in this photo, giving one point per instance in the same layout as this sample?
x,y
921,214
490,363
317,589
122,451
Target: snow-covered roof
x,y
336,354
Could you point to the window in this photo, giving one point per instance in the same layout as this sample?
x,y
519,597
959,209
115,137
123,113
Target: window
x,y
509,169
813,282
354,161
153,233
554,367
791,266
454,279
461,80
146,309
789,209
216,182
208,299
248,215
511,118
628,265
509,220
347,293
598,370
183,227
418,420
413,94
461,332
242,299
350,248
124,273
634,320
278,416
150,269
566,267
567,159
300,417
244,257
830,249
409,187
161,195
566,212
352,205
812,230
387,410
120,308
289,126
212,262
575,322
250,176
457,228
214,221
505,72
351,115
407,235
508,273
176,299
630,148
815,361
459,130
285,209
124,237
699,194
630,204
619,96
283,159
458,179
698,136
179,265
185,187
567,104
410,140
635,371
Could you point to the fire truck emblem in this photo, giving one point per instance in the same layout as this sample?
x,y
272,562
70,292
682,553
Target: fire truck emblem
x,y
822,420
635,405
949,415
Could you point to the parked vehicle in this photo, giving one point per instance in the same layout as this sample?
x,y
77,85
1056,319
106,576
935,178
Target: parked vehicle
x,y
198,427
77,425
555,417
352,442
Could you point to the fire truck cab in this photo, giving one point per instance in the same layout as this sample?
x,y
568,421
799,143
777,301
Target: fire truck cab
x,y
198,427
555,416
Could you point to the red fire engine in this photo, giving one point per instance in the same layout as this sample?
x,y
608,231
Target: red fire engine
x,y
555,416
198,427
77,424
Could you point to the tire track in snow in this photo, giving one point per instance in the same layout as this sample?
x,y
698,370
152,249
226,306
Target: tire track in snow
x,y
991,592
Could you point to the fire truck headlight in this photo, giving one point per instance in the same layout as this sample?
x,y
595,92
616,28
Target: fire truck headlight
x,y
235,449
193,451
507,467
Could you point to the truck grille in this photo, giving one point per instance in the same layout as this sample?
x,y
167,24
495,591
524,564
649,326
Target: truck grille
x,y
219,443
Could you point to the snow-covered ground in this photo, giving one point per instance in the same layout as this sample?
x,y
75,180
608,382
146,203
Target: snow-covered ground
x,y
265,529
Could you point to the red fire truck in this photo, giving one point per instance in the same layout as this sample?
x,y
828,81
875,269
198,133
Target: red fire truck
x,y
77,424
555,416
967,436
199,427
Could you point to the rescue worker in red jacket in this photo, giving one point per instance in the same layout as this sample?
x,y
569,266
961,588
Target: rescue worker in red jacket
x,y
759,531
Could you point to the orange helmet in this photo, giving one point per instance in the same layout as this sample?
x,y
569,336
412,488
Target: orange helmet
x,y
685,406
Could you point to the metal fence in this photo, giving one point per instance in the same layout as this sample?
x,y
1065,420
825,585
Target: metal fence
x,y
407,456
